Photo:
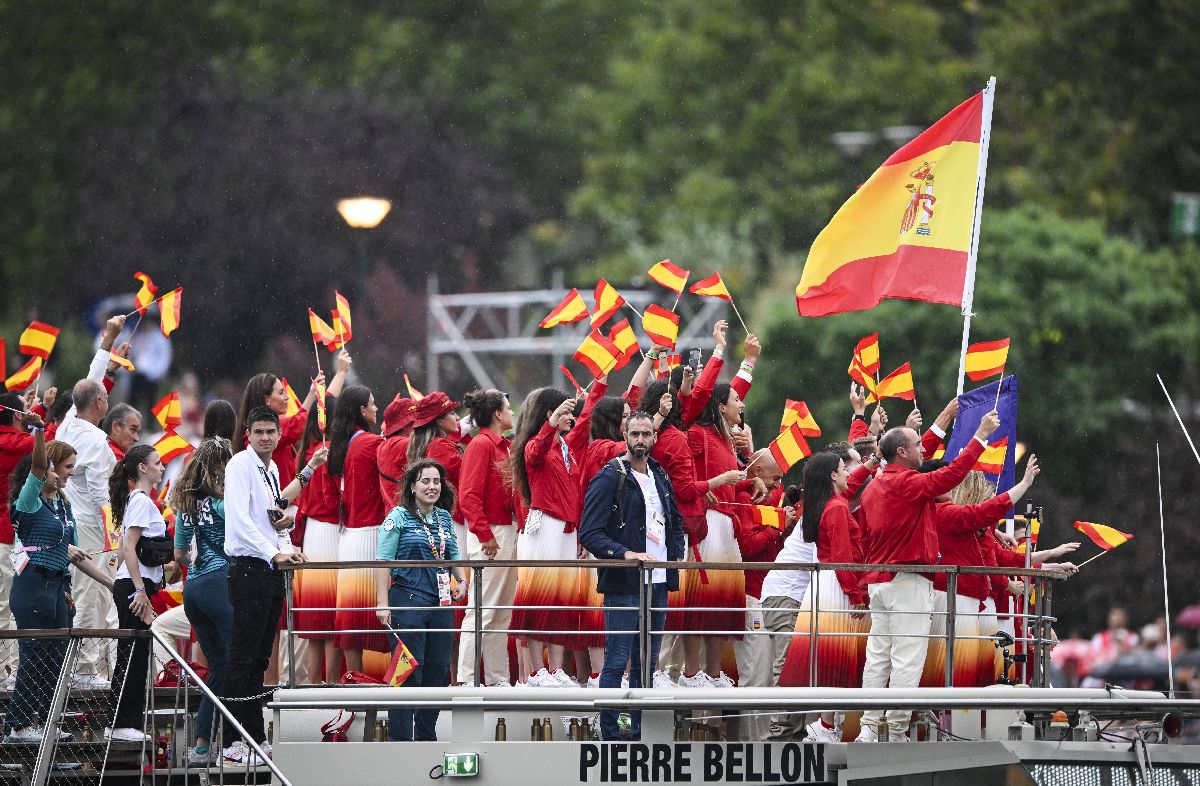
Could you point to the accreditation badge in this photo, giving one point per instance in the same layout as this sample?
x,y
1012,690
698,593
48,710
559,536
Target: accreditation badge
x,y
443,584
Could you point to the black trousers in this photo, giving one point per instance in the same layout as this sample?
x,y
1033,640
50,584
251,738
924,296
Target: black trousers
x,y
256,592
133,660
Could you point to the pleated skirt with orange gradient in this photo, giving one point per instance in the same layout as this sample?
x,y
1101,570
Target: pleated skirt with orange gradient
x,y
317,589
724,590
543,592
356,593
591,619
841,640
974,658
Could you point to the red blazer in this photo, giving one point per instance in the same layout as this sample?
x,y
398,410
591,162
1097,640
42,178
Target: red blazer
x,y
553,486
958,527
898,505
712,455
694,404
321,499
675,454
757,542
392,461
484,499
15,444
445,451
835,544
363,503
598,453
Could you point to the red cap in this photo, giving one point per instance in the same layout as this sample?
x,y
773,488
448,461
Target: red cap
x,y
398,415
432,407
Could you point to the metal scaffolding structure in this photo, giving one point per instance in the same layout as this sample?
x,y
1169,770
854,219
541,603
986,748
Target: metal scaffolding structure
x,y
483,328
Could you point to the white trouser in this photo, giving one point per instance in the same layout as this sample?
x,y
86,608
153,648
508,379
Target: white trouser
x,y
172,625
498,588
94,607
754,659
8,647
897,643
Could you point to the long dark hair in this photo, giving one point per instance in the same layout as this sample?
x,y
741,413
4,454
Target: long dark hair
x,y
818,490
257,390
607,417
418,443
203,476
220,420
711,414
407,498
123,474
653,395
312,431
347,419
533,416
57,451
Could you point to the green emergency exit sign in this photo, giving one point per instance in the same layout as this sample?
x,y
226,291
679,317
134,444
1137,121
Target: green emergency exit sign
x,y
460,765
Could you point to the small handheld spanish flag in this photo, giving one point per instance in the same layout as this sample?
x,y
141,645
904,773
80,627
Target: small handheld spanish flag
x,y
789,447
570,309
170,306
866,352
623,337
38,340
898,384
1102,535
413,393
146,294
661,325
797,412
121,360
608,301
991,460
669,275
769,516
666,363
342,312
168,412
597,353
713,286
403,664
986,359
24,376
322,333
571,378
112,533
171,446
321,406
293,402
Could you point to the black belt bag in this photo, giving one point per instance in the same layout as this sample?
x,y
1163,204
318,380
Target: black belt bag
x,y
155,552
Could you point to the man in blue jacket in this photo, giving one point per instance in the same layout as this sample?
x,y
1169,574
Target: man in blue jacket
x,y
629,513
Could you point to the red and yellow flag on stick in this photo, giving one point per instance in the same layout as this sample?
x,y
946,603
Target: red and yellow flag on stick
x,y
866,352
788,448
168,412
171,446
796,412
403,664
908,231
293,401
38,340
608,301
769,516
322,333
661,326
671,276
25,375
413,393
112,532
340,333
598,353
322,417
570,309
986,359
625,340
991,460
146,294
666,363
170,307
1103,536
121,361
571,378
898,384
714,286
343,325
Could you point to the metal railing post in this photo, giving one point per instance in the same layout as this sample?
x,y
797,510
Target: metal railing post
x,y
45,754
813,623
477,581
951,623
1045,593
645,577
291,627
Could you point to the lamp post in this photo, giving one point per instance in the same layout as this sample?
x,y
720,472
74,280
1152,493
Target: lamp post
x,y
363,214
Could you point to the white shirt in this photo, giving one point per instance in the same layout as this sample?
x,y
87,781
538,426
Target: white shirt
x,y
653,508
791,583
248,530
140,511
87,488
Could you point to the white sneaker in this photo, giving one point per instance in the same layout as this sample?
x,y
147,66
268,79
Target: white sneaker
x,y
240,754
128,734
697,680
561,677
593,682
624,680
867,734
10,682
267,749
723,681
542,679
662,681
898,736
501,684
89,682
28,734
818,732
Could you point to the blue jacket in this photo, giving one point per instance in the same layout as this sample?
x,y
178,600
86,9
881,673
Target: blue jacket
x,y
606,536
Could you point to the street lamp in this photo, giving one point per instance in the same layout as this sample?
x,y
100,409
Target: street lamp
x,y
363,213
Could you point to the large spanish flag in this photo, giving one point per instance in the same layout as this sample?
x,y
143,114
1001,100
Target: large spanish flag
x,y
906,232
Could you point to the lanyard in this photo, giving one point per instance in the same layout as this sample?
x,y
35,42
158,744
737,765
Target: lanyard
x,y
272,486
438,551
562,443
61,515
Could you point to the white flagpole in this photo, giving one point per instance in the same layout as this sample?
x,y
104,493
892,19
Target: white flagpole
x,y
1162,528
985,137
